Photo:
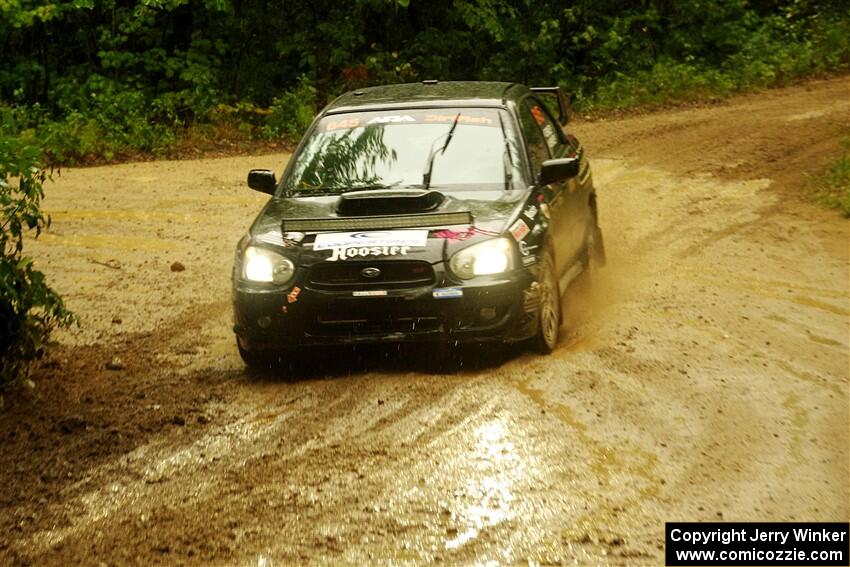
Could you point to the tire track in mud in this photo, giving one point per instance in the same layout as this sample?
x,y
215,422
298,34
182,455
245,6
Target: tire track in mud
x,y
84,500
156,474
625,475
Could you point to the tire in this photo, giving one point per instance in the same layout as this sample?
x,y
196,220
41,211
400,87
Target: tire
x,y
259,360
443,358
549,315
593,257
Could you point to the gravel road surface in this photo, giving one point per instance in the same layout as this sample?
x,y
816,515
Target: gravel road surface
x,y
702,376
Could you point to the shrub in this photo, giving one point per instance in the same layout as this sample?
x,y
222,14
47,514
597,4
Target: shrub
x,y
29,309
291,113
834,185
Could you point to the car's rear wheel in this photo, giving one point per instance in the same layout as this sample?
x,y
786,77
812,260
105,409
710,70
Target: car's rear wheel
x,y
549,317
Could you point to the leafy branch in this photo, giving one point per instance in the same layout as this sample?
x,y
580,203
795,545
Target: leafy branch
x,y
29,308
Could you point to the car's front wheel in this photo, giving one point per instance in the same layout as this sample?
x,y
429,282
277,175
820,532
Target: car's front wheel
x,y
261,360
596,248
593,258
549,317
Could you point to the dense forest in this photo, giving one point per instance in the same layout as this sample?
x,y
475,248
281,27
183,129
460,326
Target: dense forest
x,y
90,79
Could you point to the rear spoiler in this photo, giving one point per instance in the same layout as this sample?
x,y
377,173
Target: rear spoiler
x,y
563,101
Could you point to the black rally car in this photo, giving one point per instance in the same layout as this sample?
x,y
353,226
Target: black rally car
x,y
447,212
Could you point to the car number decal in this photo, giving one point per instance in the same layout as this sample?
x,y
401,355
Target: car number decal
x,y
538,115
331,240
343,124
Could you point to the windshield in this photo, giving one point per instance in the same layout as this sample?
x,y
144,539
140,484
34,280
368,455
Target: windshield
x,y
449,149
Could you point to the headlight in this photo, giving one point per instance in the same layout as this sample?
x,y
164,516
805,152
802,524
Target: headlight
x,y
489,257
262,265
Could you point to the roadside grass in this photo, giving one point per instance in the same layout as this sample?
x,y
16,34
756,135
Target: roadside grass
x,y
833,186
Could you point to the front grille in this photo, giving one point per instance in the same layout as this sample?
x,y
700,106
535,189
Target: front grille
x,y
393,274
354,319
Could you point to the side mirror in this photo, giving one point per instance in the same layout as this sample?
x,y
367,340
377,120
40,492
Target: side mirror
x,y
262,180
554,170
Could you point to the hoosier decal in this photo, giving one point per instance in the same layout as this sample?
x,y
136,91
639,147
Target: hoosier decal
x,y
348,252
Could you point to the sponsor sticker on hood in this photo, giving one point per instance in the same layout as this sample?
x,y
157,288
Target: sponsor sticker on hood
x,y
331,240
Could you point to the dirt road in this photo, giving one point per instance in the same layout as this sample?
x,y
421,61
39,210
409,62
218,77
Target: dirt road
x,y
704,377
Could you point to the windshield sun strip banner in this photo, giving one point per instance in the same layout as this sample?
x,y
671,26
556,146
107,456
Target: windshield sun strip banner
x,y
382,222
466,116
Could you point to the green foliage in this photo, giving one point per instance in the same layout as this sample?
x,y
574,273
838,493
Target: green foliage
x,y
86,79
665,81
769,51
834,185
29,309
291,113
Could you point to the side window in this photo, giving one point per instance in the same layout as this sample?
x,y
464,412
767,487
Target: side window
x,y
537,148
550,129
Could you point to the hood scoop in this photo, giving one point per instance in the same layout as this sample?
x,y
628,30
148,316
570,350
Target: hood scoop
x,y
388,202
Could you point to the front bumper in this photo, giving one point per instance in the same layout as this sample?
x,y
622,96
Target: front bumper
x,y
503,308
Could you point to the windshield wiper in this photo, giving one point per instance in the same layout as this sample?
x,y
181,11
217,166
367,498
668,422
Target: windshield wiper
x,y
429,166
507,159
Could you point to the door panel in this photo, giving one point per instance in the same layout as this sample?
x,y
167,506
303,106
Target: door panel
x,y
530,119
567,200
